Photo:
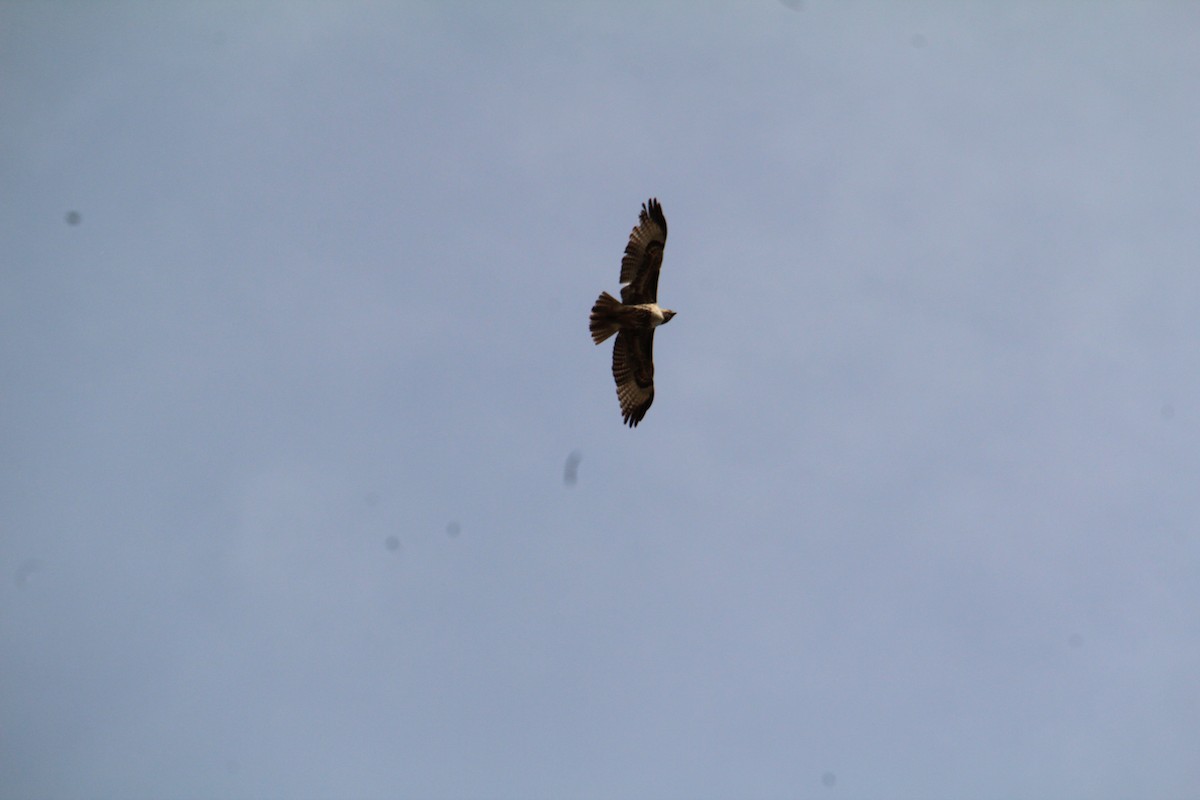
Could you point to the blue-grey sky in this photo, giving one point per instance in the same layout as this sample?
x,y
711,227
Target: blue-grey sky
x,y
293,336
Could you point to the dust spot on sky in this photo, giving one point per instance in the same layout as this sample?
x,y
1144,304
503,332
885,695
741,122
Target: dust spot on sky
x,y
571,468
794,5
453,529
1167,411
829,779
372,499
392,543
1075,641
74,218
918,40
24,572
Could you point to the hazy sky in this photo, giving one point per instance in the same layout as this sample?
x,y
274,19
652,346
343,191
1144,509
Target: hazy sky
x,y
293,337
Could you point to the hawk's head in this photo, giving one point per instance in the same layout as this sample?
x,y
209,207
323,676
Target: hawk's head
x,y
667,314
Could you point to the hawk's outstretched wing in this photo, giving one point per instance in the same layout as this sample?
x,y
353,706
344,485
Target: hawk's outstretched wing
x,y
633,367
643,256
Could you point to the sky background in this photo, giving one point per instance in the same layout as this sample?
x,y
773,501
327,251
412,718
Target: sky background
x,y
295,362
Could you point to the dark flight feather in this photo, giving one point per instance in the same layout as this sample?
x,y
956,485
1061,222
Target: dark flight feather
x,y
643,256
633,369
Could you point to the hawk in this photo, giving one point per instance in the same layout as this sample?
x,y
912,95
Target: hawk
x,y
634,317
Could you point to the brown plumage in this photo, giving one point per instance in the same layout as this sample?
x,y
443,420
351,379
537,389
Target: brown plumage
x,y
634,317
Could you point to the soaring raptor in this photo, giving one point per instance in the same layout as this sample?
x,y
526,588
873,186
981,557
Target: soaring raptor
x,y
634,317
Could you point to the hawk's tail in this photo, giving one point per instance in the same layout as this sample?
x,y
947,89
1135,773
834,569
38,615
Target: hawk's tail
x,y
603,323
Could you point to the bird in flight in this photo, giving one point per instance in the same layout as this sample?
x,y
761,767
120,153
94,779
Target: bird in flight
x,y
634,317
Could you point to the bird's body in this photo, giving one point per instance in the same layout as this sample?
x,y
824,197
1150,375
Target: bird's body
x,y
651,313
634,317
610,315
